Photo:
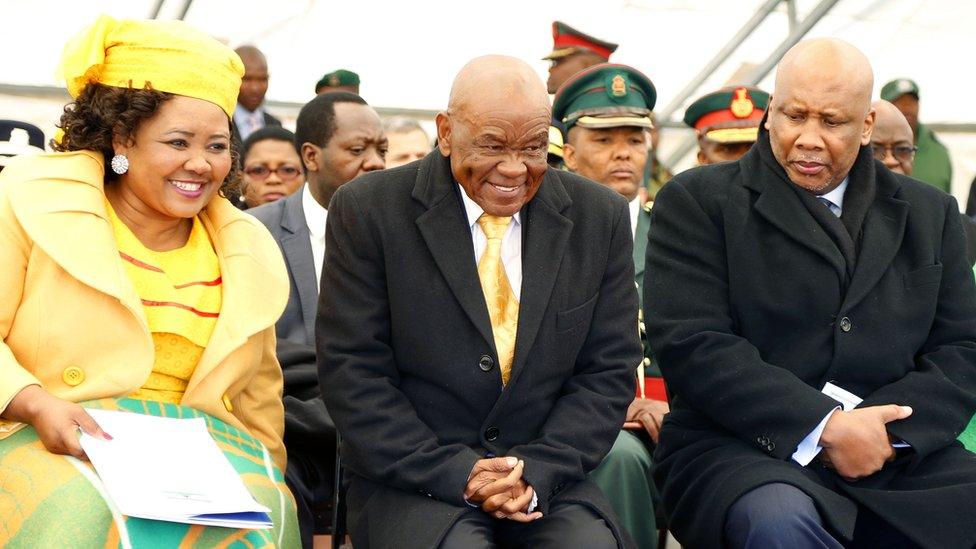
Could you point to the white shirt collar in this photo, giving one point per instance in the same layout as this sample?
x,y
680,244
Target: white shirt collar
x,y
837,195
474,211
315,214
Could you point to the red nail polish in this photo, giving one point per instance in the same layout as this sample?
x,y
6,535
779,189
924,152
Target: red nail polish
x,y
107,436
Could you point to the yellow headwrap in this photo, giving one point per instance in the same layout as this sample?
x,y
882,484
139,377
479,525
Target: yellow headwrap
x,y
168,56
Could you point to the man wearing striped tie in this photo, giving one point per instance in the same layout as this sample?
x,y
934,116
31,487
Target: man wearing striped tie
x,y
476,332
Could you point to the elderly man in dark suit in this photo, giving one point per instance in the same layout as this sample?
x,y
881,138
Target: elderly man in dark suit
x,y
786,288
476,332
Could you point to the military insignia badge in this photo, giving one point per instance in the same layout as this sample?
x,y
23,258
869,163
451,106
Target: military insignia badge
x,y
334,80
618,86
741,105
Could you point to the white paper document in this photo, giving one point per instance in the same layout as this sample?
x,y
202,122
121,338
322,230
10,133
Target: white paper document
x,y
170,469
848,402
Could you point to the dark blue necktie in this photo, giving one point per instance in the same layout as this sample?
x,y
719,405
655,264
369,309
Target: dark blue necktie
x,y
834,208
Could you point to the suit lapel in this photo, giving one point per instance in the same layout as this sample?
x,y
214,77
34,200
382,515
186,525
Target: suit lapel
x,y
448,237
547,232
881,234
297,249
779,205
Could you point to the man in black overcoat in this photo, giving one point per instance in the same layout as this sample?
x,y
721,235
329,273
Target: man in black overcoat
x,y
440,451
808,266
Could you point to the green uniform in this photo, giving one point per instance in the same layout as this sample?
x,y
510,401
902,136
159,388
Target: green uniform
x,y
604,97
932,163
660,174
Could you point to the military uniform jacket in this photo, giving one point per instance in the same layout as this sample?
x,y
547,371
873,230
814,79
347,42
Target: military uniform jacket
x,y
407,360
755,302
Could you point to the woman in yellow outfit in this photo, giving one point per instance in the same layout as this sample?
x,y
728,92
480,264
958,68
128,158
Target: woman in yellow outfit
x,y
125,274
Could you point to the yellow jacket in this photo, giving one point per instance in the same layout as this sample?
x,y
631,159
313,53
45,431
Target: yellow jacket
x,y
71,320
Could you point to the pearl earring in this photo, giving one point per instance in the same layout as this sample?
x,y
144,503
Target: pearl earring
x,y
120,164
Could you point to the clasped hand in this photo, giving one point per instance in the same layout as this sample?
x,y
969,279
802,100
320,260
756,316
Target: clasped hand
x,y
856,443
497,486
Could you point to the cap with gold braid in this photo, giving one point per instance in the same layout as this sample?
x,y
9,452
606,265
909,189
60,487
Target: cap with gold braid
x,y
168,56
729,115
567,41
605,96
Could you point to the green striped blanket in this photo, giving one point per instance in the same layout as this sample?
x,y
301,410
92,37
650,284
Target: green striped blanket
x,y
48,500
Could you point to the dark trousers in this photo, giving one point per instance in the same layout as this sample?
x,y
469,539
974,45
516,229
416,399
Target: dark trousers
x,y
566,525
310,480
781,515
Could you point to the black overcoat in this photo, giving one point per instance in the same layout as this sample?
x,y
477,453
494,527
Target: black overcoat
x,y
407,362
753,301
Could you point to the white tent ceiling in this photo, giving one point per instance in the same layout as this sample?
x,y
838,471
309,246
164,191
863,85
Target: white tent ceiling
x,y
407,51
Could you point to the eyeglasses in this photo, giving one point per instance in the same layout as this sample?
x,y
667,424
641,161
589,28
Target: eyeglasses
x,y
262,172
905,153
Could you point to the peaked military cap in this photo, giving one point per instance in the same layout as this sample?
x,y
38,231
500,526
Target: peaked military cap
x,y
566,41
729,115
605,96
899,87
340,77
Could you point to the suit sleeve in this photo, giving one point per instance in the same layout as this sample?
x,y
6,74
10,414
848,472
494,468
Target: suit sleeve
x,y
260,407
942,388
689,316
587,417
15,249
382,438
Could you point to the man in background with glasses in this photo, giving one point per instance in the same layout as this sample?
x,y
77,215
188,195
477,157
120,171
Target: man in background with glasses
x,y
932,163
893,145
339,137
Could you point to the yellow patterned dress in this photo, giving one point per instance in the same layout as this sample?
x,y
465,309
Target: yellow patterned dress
x,y
49,500
180,292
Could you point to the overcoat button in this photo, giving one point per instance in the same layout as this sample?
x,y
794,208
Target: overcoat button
x,y
73,376
846,324
486,363
491,434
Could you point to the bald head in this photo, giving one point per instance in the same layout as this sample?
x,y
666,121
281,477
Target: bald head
x,y
254,84
494,78
496,132
893,138
828,65
820,114
249,53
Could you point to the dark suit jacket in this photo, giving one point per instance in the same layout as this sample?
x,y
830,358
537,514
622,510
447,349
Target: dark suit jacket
x,y
407,360
285,219
757,300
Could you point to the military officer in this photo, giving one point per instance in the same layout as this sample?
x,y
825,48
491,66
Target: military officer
x,y
606,111
726,122
573,51
932,164
338,80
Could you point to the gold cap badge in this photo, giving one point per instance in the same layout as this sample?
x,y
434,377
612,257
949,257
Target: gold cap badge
x,y
741,105
618,86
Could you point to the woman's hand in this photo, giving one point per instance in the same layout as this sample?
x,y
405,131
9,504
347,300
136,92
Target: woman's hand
x,y
56,421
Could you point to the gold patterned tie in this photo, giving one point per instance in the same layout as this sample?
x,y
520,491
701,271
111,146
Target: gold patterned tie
x,y
503,308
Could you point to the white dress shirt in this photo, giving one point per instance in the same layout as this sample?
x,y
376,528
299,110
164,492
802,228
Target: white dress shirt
x,y
511,243
511,259
635,208
246,121
315,217
809,447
